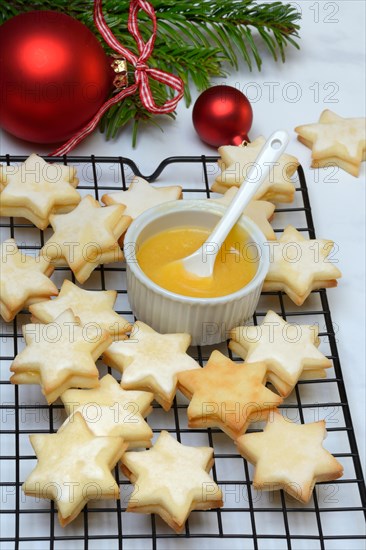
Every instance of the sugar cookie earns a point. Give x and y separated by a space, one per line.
24 280
90 306
74 466
235 164
171 480
86 237
335 141
111 410
151 361
227 395
36 189
298 265
141 196
289 456
286 349
60 355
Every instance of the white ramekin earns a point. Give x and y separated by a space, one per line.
207 320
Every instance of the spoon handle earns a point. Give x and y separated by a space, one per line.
269 154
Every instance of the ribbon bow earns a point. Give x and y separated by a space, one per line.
142 71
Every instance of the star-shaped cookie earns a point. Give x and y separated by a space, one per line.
36 189
59 356
335 140
171 480
86 237
235 164
258 211
289 456
227 395
24 280
111 410
141 195
151 361
298 265
92 307
74 466
286 349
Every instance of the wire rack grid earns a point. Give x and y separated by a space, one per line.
332 520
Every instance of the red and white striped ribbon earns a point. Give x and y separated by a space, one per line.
142 71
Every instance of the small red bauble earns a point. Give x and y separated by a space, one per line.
54 76
222 115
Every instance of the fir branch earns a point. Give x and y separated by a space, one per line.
196 40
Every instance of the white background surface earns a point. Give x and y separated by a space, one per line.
331 62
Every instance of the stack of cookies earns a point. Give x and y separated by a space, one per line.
335 141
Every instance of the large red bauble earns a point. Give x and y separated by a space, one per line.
222 115
54 76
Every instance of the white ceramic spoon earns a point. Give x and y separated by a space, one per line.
200 263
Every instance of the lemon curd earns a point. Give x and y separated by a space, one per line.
235 266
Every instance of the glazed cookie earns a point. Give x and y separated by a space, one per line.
86 237
59 356
298 265
171 480
36 189
335 141
236 161
111 410
141 195
74 466
286 349
90 306
289 456
151 361
24 280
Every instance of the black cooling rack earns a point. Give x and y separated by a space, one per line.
333 519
